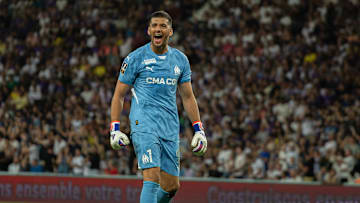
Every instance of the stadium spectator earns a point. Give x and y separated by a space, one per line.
78 163
15 166
36 166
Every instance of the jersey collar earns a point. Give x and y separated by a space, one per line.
162 56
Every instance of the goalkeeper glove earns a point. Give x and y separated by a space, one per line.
117 138
199 142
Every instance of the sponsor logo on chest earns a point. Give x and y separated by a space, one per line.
161 81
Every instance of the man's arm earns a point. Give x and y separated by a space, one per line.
117 101
199 142
117 138
189 101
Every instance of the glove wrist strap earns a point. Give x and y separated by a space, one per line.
197 125
115 126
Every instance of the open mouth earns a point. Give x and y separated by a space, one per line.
158 38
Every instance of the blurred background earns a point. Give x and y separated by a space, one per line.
277 83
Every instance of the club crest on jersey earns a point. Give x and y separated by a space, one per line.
177 70
123 68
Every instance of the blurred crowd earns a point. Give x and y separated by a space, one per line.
277 83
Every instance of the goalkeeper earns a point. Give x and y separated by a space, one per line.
153 72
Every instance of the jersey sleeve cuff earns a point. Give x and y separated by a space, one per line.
126 82
183 81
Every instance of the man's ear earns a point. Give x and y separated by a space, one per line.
148 31
171 32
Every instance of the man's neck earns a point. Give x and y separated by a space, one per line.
159 50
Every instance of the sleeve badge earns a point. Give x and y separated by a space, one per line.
123 68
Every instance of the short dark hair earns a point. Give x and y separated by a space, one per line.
161 14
